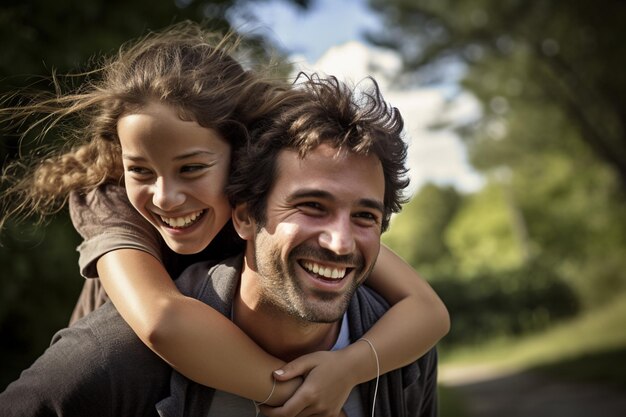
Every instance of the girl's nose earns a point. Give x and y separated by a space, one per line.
167 195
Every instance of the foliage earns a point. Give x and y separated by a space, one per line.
551 138
39 287
489 284
451 402
605 367
39 39
591 333
547 51
482 237
589 350
507 303
416 232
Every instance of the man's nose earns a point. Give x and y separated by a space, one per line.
338 236
167 194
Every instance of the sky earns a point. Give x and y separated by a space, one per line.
328 38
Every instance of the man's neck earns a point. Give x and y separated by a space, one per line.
279 333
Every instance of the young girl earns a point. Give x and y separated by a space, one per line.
183 159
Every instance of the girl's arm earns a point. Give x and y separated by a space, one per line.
416 321
192 337
124 250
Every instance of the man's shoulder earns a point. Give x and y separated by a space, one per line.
210 282
366 299
116 343
102 328
96 359
117 350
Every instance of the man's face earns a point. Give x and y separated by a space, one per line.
322 233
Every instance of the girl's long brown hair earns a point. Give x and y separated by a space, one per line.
185 66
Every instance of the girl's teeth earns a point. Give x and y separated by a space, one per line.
181 221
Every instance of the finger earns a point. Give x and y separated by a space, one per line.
293 369
301 404
298 367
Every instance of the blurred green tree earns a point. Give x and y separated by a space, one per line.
482 237
568 200
551 135
417 233
564 54
549 230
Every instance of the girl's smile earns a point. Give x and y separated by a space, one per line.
175 173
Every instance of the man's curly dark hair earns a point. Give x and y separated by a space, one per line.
323 110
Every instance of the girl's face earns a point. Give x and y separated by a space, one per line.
175 172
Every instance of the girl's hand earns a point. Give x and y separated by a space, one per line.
327 384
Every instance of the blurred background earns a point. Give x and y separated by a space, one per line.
516 121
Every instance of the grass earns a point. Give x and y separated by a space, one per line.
451 403
590 347
607 367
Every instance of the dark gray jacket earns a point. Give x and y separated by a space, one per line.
99 367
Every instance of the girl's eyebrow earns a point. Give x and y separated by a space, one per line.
131 157
137 158
194 154
315 193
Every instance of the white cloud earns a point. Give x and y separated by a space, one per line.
310 33
353 61
436 156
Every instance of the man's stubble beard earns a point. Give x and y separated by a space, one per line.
281 291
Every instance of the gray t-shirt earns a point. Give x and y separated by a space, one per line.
225 404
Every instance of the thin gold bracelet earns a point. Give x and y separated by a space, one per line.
377 372
256 404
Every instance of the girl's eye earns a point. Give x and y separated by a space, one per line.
139 171
193 168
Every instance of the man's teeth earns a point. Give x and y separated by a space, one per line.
181 221
326 272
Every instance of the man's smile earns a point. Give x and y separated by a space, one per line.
328 272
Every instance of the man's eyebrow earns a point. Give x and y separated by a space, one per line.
373 204
315 193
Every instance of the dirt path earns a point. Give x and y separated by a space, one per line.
489 393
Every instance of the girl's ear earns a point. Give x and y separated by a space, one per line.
243 223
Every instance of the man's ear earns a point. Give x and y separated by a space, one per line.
243 222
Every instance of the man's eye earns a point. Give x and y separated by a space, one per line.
367 216
311 206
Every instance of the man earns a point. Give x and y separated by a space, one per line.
311 198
